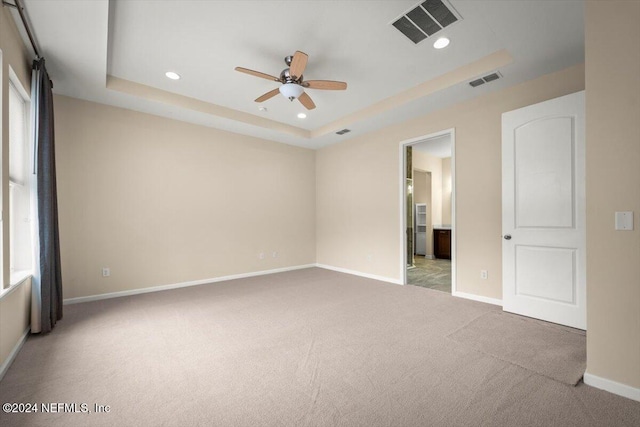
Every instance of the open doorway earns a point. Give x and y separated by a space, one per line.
429 211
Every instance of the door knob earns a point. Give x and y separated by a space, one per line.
507 237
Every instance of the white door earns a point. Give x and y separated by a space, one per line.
543 211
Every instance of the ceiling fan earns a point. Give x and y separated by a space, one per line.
292 81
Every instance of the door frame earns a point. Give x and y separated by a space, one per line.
403 197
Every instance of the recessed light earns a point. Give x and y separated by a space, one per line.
302 116
441 43
263 109
172 75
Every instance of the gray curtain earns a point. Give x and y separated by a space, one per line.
48 275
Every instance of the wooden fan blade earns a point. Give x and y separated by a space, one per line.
324 84
306 101
257 74
268 95
298 64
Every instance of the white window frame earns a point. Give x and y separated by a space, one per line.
17 276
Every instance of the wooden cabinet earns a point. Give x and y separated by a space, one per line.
442 243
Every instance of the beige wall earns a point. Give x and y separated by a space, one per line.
15 318
419 186
161 201
427 199
358 208
422 194
446 191
14 307
425 162
433 165
613 184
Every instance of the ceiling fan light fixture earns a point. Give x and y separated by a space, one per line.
441 43
291 90
293 86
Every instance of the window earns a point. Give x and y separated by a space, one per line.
20 243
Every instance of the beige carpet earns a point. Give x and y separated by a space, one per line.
304 348
551 350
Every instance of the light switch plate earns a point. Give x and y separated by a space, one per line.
624 220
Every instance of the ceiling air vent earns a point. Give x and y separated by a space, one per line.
491 77
426 19
486 79
343 131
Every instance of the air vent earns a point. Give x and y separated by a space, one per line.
491 77
343 131
407 28
426 19
486 79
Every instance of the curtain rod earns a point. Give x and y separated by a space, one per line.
25 23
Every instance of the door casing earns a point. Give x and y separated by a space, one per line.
402 201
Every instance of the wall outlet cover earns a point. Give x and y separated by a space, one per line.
624 221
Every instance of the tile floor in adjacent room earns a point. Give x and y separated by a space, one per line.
430 273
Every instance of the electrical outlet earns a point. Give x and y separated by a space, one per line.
274 254
261 255
106 272
369 257
484 274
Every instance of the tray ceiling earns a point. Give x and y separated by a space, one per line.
117 53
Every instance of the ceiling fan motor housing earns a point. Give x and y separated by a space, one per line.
285 77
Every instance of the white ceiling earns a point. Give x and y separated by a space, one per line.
352 41
440 146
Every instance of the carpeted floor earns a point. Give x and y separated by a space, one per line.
304 348
555 351
430 273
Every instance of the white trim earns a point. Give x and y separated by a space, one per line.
18 277
454 231
402 201
359 273
480 298
614 387
17 85
8 291
403 215
182 284
16 349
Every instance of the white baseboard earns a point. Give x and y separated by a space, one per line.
359 273
612 386
480 298
16 349
182 284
